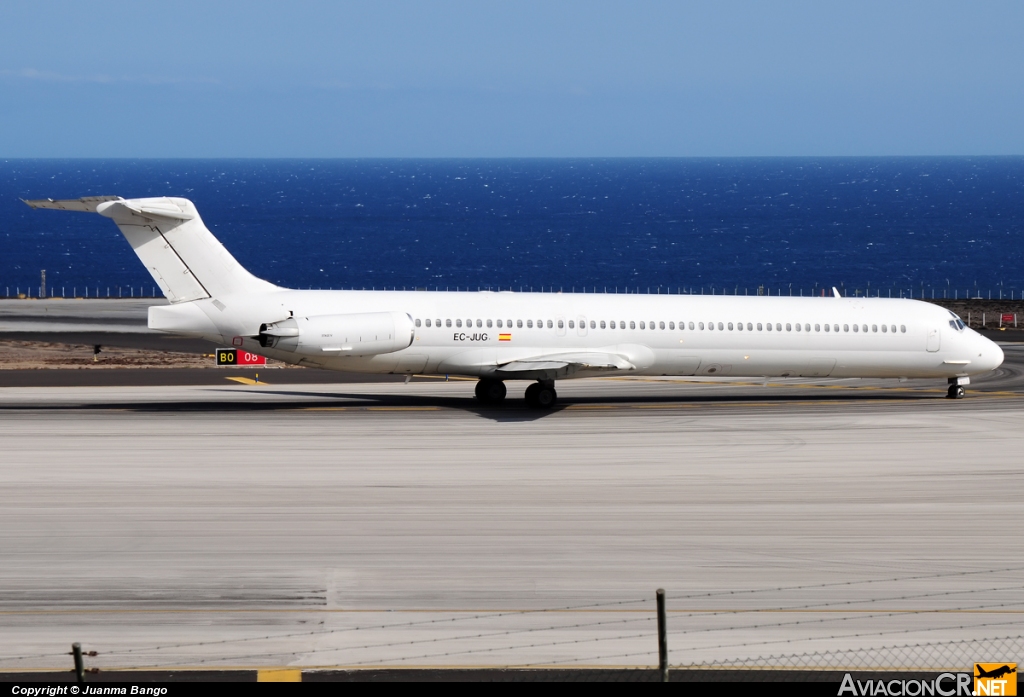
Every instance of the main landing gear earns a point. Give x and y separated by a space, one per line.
541 395
956 388
490 391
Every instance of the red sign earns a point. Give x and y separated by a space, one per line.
1007 317
232 356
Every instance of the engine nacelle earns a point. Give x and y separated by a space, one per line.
360 334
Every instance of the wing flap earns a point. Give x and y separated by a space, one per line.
589 360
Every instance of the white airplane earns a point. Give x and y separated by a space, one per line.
541 337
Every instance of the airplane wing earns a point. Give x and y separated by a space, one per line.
587 360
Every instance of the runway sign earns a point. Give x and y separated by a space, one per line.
233 356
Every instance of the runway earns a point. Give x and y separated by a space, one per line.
400 524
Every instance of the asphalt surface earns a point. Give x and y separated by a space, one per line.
359 525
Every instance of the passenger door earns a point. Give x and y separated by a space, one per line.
934 340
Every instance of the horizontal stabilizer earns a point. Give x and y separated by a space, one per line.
84 205
145 208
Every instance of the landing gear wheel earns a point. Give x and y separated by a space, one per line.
955 392
490 391
541 396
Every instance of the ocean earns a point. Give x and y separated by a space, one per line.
878 226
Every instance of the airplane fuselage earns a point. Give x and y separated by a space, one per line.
475 333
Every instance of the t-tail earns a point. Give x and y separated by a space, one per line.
182 255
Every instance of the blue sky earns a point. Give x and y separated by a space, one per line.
510 79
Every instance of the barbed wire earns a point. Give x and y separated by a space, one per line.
616 603
534 645
858 635
35 655
460 617
876 657
396 625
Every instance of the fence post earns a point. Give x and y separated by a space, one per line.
662 636
76 651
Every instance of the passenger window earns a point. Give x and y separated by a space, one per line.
884 329
651 326
711 326
561 324
489 325
778 326
519 324
817 328
428 322
417 323
671 325
864 327
529 324
593 324
835 327
846 327
759 327
448 323
691 325
572 325
769 326
508 323
642 326
632 325
701 324
798 327
730 326
720 327
479 323
549 324
661 325
807 327
874 328
893 329
826 327
750 327
903 329
602 324
856 328
437 323
789 327
499 324
458 323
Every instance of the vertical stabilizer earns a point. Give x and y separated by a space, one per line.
167 234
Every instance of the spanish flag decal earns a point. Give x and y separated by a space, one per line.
504 337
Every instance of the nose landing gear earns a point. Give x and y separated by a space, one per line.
490 391
541 395
956 388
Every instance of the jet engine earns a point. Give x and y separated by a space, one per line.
359 334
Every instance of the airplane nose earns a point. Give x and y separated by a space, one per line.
991 355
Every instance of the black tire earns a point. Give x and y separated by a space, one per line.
490 391
545 397
955 392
